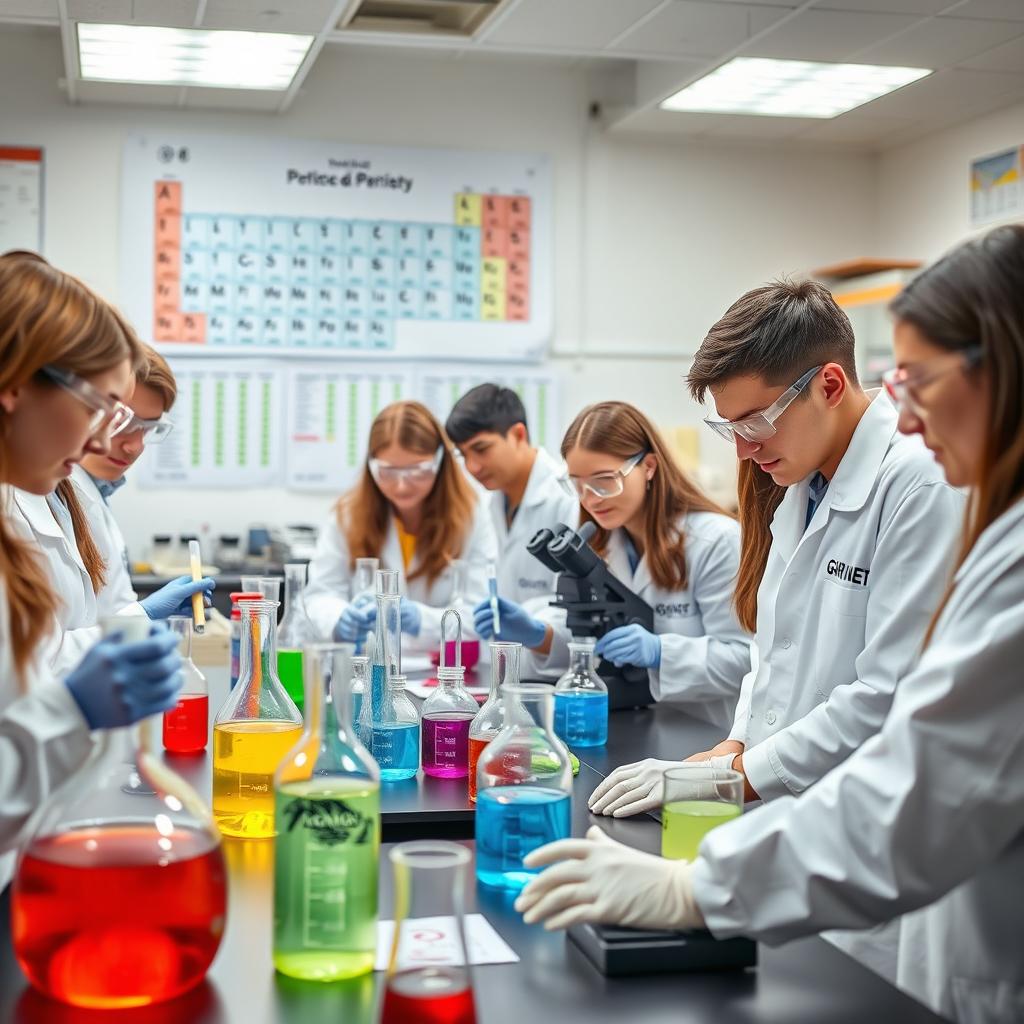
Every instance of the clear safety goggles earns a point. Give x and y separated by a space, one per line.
109 416
903 383
417 473
153 431
602 485
760 426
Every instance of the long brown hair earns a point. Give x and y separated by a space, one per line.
92 559
47 317
776 332
363 512
972 296
619 429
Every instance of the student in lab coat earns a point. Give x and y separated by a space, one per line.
672 546
926 818
488 425
415 511
65 362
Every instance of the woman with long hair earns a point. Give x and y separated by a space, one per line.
65 364
415 511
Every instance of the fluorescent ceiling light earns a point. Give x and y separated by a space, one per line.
188 56
789 88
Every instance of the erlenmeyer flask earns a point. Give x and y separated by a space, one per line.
448 712
187 724
327 818
490 719
295 633
120 895
430 882
524 786
256 726
581 699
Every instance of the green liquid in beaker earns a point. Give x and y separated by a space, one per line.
684 823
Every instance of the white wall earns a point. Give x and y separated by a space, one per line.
652 240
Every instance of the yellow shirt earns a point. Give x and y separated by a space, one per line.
407 542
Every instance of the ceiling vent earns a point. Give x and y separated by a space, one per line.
421 17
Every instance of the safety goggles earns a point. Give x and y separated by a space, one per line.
902 383
760 426
417 473
602 485
153 431
109 416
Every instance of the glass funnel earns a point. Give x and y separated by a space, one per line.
256 726
327 819
187 724
491 717
120 894
581 699
430 885
524 787
295 633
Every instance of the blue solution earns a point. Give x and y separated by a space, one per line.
236 654
581 718
512 821
357 706
396 748
378 685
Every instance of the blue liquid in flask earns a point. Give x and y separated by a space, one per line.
512 821
581 719
396 749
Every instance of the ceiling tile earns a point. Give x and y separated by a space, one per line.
1008 57
828 35
950 95
169 13
111 11
698 29
37 10
859 130
937 43
305 17
583 25
886 6
1010 10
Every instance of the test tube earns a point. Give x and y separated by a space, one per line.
198 611
492 586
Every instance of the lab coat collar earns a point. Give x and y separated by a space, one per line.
107 487
543 476
1010 522
40 517
618 562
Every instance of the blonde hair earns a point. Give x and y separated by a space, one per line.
156 373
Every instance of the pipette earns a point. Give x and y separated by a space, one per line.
492 586
198 611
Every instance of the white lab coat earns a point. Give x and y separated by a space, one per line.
704 650
327 594
926 819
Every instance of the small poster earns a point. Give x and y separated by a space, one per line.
997 187
21 198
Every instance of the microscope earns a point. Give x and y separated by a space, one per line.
595 601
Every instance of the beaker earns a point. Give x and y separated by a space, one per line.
448 711
187 724
430 883
490 719
327 818
524 787
696 798
256 726
295 632
119 896
581 699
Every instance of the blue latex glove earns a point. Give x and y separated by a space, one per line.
517 625
175 598
412 617
354 623
630 645
117 684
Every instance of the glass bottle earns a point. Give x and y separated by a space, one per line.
256 726
490 719
119 897
187 724
524 786
360 683
394 734
581 699
363 593
448 712
327 818
430 882
295 633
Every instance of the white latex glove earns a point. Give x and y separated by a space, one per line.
631 789
599 880
721 760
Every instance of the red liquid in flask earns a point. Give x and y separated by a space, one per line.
186 725
476 748
118 916
430 995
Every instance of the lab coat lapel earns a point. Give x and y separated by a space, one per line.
35 509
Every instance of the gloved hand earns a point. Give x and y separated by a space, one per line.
631 789
630 645
721 760
517 625
602 881
175 598
354 623
117 684
412 617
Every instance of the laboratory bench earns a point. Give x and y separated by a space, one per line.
804 982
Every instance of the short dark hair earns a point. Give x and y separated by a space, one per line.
487 407
775 332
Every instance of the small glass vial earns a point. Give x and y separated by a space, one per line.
187 724
581 699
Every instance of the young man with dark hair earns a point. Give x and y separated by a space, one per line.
488 426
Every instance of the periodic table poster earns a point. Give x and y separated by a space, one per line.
236 246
